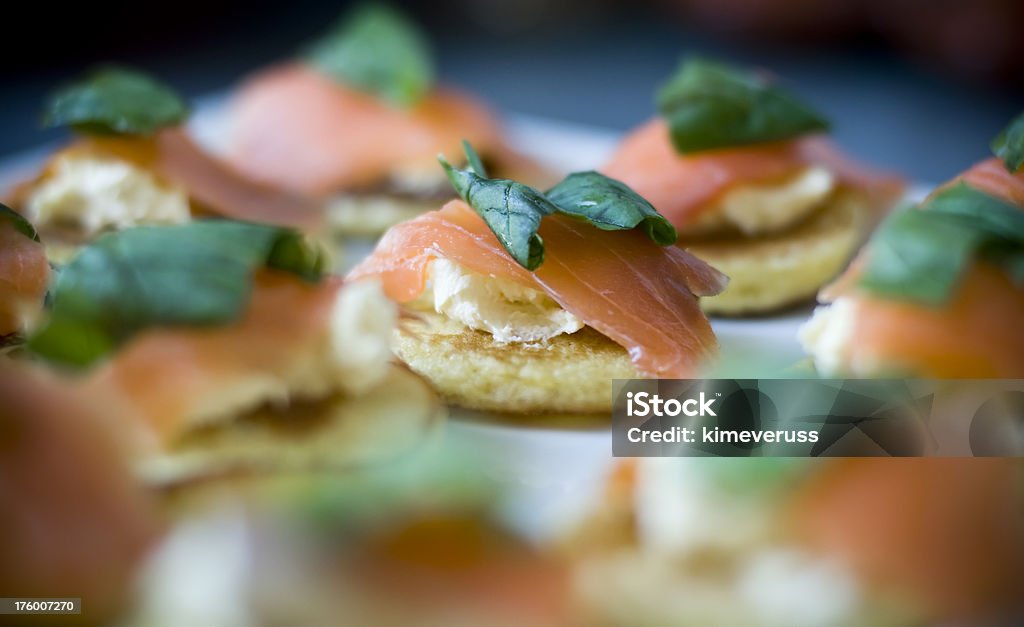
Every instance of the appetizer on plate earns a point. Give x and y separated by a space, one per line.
357 123
132 163
740 168
805 542
939 289
416 542
224 348
24 276
75 522
533 302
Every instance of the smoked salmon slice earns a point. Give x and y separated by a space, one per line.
203 371
974 335
74 516
297 128
682 187
992 177
944 532
24 276
640 295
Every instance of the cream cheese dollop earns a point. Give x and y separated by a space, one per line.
679 509
507 310
787 586
827 337
758 209
362 322
92 195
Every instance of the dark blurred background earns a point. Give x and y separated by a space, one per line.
917 85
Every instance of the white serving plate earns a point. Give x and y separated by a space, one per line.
551 473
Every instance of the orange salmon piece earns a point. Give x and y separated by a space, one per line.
167 374
299 129
24 277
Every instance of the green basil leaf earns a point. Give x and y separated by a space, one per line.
196 274
610 205
1009 145
293 253
116 100
473 160
21 225
917 257
513 211
920 254
997 218
710 105
377 49
510 209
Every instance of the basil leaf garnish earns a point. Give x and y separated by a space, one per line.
116 100
610 205
473 160
1009 145
917 257
21 225
513 211
196 274
377 49
510 209
710 105
995 217
920 254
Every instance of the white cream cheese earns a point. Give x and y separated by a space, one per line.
505 309
361 326
768 208
678 509
784 586
828 337
94 195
